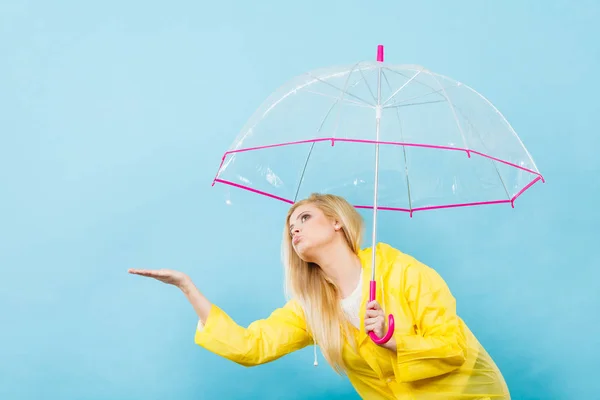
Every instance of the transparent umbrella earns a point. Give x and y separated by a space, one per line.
385 137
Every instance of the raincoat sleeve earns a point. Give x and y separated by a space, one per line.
439 344
263 341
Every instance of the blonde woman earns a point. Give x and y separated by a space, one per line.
432 354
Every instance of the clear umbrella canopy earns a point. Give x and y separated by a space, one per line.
439 143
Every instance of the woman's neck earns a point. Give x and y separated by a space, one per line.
342 266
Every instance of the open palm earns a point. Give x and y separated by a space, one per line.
169 276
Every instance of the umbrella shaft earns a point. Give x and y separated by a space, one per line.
374 233
376 181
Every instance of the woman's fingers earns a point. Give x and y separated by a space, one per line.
144 272
373 305
375 320
376 327
160 275
373 313
164 275
149 272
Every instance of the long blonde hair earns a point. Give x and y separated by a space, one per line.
307 283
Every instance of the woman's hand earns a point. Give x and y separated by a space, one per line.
375 321
171 277
200 303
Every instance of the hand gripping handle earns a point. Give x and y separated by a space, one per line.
390 330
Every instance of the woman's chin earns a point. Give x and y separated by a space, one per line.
303 251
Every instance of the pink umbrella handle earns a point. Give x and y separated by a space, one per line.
390 330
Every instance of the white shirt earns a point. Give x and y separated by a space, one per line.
351 304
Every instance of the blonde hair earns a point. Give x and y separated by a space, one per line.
307 283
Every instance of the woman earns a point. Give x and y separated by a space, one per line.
432 354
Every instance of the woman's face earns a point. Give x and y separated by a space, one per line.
310 230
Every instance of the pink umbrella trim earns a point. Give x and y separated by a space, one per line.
333 140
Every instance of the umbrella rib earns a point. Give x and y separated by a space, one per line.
494 163
303 171
399 105
341 98
454 114
403 147
507 124
417 81
312 147
501 180
403 102
343 91
367 83
400 88
345 100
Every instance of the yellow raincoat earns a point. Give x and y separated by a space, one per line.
437 356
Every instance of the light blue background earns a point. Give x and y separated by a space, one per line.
114 117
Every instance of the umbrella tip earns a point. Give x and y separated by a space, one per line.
380 53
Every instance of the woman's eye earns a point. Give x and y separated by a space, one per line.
304 217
